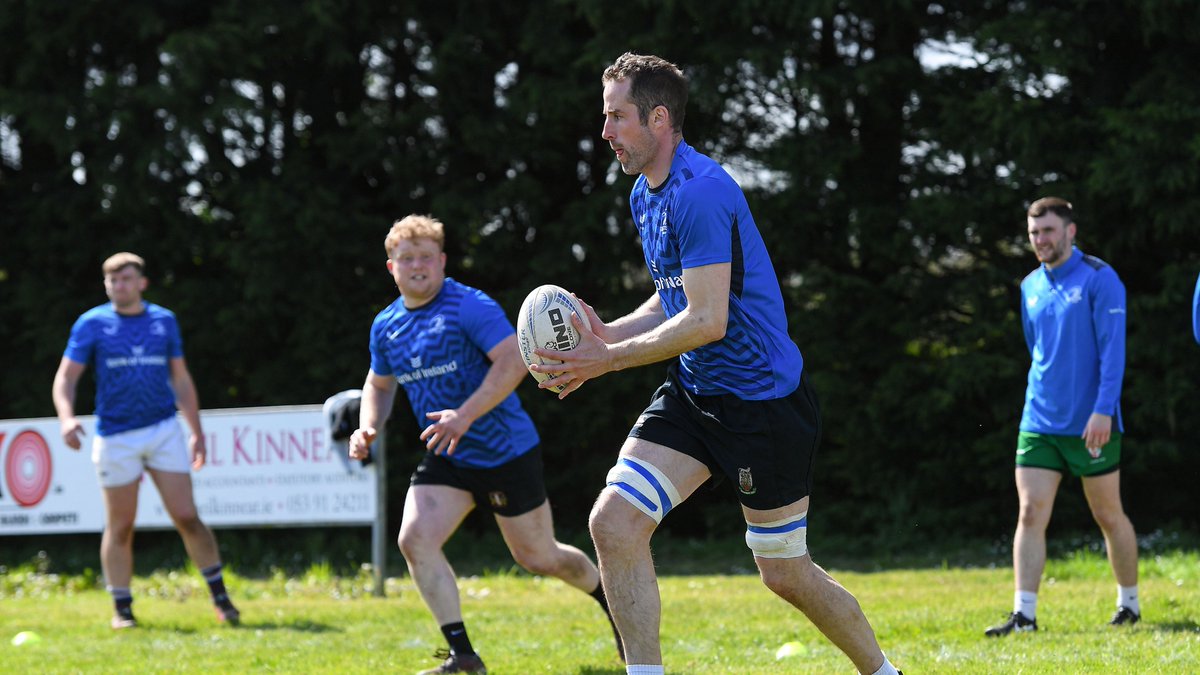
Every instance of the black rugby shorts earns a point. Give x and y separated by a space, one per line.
765 448
511 489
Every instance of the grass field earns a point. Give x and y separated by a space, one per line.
929 620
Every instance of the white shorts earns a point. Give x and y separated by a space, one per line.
120 458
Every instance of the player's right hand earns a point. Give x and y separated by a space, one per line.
594 321
360 442
72 433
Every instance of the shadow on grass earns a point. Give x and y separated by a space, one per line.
1176 627
299 626
593 670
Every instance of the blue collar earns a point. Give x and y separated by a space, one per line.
1066 268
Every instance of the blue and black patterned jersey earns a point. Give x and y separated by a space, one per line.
699 216
438 353
132 358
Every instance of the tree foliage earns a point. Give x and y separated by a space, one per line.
256 154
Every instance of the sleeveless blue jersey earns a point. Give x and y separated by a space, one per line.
699 216
132 358
1074 322
438 353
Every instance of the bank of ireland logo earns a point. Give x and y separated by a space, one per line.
27 468
415 362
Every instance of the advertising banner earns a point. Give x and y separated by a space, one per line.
266 466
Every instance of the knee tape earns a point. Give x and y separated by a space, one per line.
644 486
787 538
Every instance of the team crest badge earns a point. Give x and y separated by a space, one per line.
746 481
498 500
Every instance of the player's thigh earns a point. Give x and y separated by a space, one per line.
685 472
120 505
1036 488
175 488
1103 493
433 512
531 532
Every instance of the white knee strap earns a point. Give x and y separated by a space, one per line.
787 538
644 486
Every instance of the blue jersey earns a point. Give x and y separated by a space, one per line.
1074 321
132 357
697 217
438 353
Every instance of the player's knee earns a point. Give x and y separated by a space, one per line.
1034 514
539 563
409 541
119 532
187 520
1108 519
784 538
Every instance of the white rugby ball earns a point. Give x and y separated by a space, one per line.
545 321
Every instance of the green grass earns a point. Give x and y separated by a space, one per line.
929 620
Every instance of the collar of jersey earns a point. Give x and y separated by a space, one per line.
1066 268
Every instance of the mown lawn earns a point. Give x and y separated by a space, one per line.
929 621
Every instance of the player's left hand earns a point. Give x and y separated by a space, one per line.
1097 433
587 360
198 450
443 435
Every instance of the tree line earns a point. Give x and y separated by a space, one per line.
256 154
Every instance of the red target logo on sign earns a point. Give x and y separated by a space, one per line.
27 469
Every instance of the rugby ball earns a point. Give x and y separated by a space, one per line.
545 321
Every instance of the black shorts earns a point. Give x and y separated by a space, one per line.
766 448
510 489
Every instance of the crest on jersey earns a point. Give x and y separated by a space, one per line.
139 350
746 481
438 325
498 499
156 328
1074 294
415 361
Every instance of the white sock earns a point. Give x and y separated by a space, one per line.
1127 597
1025 602
643 670
887 668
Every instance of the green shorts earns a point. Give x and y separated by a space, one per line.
1059 453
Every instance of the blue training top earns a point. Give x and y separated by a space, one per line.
1196 311
1074 321
699 216
438 353
132 355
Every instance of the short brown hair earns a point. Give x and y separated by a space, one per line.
119 261
652 82
1056 205
415 226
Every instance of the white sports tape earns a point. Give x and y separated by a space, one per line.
644 486
787 538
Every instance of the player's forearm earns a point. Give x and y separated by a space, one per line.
502 378
63 394
642 320
188 402
683 332
375 406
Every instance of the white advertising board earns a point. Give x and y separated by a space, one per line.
266 466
